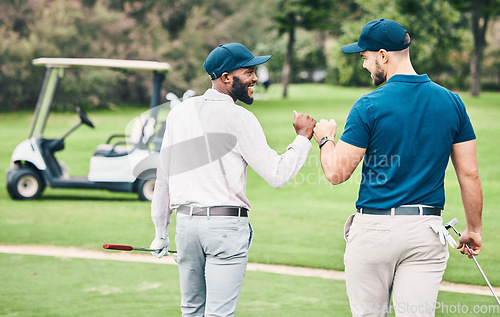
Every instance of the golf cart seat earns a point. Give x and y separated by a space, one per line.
113 150
141 133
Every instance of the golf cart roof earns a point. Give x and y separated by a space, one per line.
101 62
55 68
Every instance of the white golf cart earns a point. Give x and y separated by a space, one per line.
125 166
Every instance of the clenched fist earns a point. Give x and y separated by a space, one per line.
325 128
303 124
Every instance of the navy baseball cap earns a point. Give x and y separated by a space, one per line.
379 34
228 57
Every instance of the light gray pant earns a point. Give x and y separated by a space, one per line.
393 254
212 256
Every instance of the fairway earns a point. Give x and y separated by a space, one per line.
76 287
300 224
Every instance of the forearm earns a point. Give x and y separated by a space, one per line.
340 160
160 209
472 199
464 160
279 170
329 164
276 170
161 222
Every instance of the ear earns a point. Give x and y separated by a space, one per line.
226 78
383 56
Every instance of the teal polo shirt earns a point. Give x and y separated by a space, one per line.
407 127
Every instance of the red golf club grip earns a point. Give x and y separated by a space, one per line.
117 247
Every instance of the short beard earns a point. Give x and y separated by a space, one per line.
379 75
240 91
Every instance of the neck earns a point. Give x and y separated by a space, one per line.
401 67
222 88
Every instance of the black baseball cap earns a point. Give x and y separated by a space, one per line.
379 34
228 57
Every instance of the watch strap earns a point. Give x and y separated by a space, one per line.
323 141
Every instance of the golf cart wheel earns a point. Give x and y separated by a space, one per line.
25 183
145 187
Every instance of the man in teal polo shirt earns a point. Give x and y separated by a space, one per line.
406 131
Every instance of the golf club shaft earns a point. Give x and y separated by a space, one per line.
484 276
147 249
478 266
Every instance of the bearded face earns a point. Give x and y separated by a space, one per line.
371 64
378 76
242 91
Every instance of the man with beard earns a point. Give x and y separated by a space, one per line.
406 131
208 143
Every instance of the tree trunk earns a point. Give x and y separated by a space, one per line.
479 26
287 68
322 41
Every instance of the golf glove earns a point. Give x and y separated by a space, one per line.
444 235
161 244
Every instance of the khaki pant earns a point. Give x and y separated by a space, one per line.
393 254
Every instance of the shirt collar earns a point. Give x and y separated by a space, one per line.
409 78
214 95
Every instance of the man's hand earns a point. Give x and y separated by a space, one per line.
473 240
161 244
325 128
303 124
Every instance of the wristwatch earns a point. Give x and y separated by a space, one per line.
323 141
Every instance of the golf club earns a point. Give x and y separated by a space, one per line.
451 224
123 247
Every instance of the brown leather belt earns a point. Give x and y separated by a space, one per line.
213 211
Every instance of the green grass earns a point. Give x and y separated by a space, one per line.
66 287
299 224
51 286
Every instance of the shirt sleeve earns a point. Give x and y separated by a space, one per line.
275 169
357 130
160 205
465 130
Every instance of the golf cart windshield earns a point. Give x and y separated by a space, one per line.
55 71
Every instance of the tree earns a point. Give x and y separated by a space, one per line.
180 32
62 28
293 14
480 13
436 31
194 28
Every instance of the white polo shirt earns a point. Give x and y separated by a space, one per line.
208 143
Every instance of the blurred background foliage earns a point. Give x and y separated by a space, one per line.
183 32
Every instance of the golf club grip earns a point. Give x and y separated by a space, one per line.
117 247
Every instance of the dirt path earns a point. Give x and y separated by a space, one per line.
71 252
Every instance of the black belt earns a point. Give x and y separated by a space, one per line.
213 211
426 211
